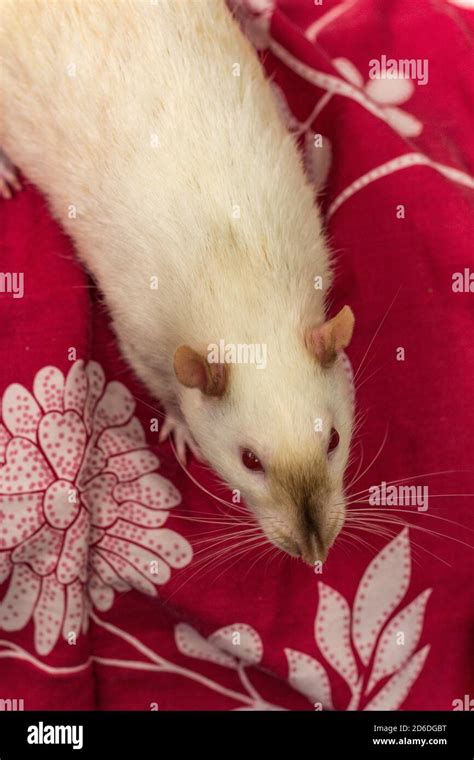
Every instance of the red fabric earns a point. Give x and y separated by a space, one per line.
305 638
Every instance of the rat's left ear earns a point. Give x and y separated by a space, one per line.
325 341
194 371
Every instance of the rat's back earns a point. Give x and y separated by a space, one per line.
89 86
137 108
154 134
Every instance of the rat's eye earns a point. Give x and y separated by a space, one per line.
251 461
333 441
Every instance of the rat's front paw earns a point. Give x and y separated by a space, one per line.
182 438
9 182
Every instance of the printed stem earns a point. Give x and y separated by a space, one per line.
303 126
169 667
313 30
244 679
177 670
17 653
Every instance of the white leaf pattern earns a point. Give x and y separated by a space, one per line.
192 644
307 675
332 632
390 655
390 91
239 640
381 589
348 71
393 694
404 123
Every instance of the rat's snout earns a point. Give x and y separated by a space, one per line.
308 534
311 549
311 544
310 512
313 537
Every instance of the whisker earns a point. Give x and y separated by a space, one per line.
414 477
227 555
424 515
354 480
412 542
210 559
356 375
360 541
153 408
224 546
369 377
428 531
391 536
360 461
239 557
225 537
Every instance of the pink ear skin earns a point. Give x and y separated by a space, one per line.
194 371
325 341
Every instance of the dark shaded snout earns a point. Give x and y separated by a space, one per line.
304 486
313 538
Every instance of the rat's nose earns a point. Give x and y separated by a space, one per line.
313 534
312 549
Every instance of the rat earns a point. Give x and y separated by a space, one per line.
157 141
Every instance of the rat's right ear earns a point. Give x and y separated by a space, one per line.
327 340
194 371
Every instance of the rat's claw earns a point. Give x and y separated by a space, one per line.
9 181
182 438
168 426
194 448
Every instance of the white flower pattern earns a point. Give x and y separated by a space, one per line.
81 506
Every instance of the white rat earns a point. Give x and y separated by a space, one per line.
154 135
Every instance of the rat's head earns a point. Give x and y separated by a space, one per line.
279 433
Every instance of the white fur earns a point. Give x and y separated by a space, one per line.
166 69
